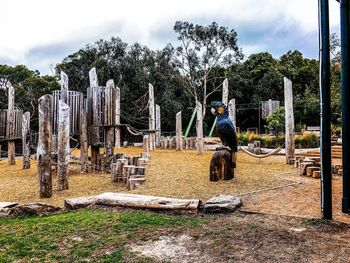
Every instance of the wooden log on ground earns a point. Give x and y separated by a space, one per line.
148 202
135 177
44 147
316 174
63 154
25 139
117 170
127 170
221 166
303 167
289 117
310 170
142 161
84 146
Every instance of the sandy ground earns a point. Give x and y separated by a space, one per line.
186 175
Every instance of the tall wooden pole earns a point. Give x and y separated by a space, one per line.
109 131
84 146
44 147
178 131
158 125
232 111
117 119
10 128
25 139
289 120
63 153
95 149
199 128
152 122
225 91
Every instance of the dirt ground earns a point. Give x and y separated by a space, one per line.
186 175
169 173
244 237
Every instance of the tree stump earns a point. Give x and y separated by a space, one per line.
221 166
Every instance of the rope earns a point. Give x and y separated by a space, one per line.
135 133
261 155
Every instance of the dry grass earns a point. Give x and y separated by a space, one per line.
169 173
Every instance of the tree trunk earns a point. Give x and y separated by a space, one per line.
10 128
232 111
152 123
63 153
199 129
44 147
289 116
158 125
178 131
25 139
84 146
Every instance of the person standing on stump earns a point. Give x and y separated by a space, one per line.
226 129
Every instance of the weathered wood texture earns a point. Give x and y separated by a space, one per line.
158 125
64 87
44 147
199 128
25 140
10 128
117 170
148 202
289 116
75 101
225 91
232 111
178 131
84 146
151 120
146 143
117 118
221 166
63 153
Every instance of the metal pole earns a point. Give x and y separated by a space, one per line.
345 86
326 172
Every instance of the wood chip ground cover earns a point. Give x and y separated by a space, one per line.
169 173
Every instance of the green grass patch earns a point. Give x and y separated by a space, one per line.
87 234
316 222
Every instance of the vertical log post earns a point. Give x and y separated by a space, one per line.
289 115
84 158
199 128
95 149
117 119
25 139
10 128
178 131
158 125
232 111
151 121
146 143
109 131
44 147
63 153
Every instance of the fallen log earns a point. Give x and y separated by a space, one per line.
148 202
79 202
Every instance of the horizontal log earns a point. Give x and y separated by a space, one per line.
148 202
80 202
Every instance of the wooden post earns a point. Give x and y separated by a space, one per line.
225 92
158 125
151 122
10 128
44 147
84 158
199 128
232 111
178 131
289 115
109 131
64 87
146 143
63 151
117 119
25 139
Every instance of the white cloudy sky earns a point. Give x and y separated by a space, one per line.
40 33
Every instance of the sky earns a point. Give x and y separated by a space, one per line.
40 33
